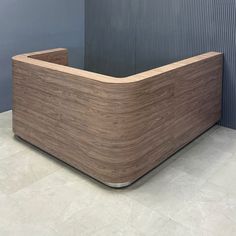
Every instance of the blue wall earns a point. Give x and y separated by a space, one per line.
27 25
129 36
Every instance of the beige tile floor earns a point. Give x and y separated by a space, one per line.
192 193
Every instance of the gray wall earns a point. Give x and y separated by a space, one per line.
27 25
110 36
128 36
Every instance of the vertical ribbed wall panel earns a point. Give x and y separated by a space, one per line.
143 34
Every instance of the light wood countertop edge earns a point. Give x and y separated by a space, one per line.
105 78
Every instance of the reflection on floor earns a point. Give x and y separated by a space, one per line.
192 193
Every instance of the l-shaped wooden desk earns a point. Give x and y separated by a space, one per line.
114 129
